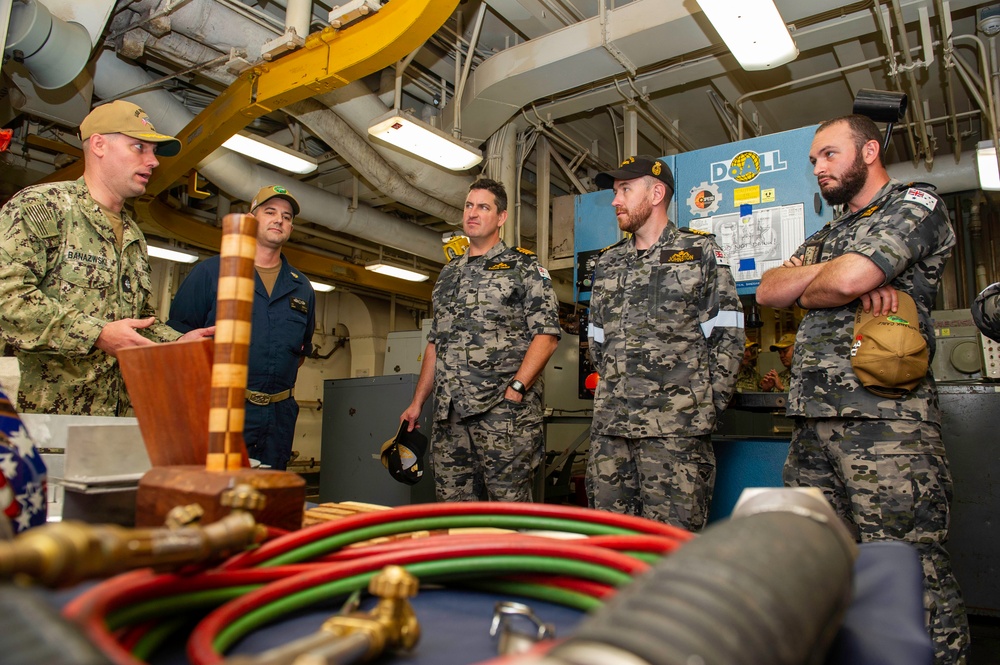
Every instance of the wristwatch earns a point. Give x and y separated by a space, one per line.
517 386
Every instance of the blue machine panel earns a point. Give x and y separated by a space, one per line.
758 196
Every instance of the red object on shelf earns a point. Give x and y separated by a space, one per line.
5 136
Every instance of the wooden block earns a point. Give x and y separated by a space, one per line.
169 386
163 488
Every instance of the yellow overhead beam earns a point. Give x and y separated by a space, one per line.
328 60
186 229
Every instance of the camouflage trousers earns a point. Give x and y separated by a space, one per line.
496 452
669 479
889 480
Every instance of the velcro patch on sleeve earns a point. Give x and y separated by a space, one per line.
921 197
40 220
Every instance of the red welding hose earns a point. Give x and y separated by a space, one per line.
201 643
297 539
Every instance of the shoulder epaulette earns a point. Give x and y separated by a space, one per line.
921 185
601 251
527 252
688 229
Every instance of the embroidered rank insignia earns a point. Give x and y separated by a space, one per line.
682 256
869 212
524 251
299 305
920 197
688 229
499 266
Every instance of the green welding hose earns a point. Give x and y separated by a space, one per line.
514 522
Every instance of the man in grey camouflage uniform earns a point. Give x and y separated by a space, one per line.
666 337
74 274
880 461
496 323
986 311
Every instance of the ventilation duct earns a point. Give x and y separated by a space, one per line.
52 50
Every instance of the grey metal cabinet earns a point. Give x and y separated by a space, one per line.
359 415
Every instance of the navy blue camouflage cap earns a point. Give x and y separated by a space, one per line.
403 455
637 167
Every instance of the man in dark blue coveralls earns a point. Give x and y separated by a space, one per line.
284 315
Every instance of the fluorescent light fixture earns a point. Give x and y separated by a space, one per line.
271 153
986 161
384 267
171 254
417 137
753 31
321 287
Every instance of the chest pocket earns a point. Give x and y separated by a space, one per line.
500 300
674 288
74 275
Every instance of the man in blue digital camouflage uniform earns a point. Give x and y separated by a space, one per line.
879 460
496 323
74 273
284 316
666 337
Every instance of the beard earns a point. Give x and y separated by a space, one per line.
635 219
851 182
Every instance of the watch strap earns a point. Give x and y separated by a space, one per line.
517 386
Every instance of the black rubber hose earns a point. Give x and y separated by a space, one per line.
769 588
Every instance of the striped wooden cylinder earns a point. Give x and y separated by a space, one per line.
227 401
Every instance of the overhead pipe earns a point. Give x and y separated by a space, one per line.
357 105
686 144
741 114
460 82
667 131
948 52
242 178
882 19
947 175
340 136
916 103
216 25
360 154
990 109
298 17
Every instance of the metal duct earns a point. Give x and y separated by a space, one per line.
947 175
52 50
242 179
640 34
333 130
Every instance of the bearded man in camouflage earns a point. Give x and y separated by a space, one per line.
880 461
74 273
496 324
666 337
